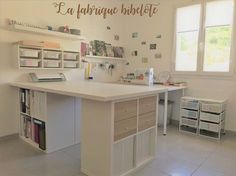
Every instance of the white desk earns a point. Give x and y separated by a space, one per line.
101 153
170 89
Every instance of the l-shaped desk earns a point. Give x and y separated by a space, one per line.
118 122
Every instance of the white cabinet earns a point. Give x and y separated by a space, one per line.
48 121
29 57
125 132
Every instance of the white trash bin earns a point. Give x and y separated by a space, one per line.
161 112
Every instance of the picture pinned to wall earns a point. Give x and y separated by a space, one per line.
116 37
159 36
158 56
135 35
134 53
144 60
153 46
108 28
143 43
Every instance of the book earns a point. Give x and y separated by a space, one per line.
42 137
118 51
109 50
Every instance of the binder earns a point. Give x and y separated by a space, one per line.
42 138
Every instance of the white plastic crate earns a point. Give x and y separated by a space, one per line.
51 54
188 104
33 53
212 107
212 117
189 122
189 113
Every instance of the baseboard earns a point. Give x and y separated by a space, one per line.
12 136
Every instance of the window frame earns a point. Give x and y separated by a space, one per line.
201 43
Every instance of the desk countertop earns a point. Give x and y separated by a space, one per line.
93 90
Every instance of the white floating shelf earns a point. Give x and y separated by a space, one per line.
45 32
104 58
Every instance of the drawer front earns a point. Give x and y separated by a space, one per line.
189 122
125 110
190 104
209 126
147 121
51 54
189 113
212 107
125 128
211 117
34 53
147 105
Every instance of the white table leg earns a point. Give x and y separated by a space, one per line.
165 113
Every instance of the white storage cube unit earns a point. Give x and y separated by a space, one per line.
123 155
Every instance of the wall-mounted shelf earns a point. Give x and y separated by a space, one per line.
104 58
26 29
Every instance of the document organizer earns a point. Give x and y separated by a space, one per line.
58 77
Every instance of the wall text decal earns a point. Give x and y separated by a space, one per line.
131 10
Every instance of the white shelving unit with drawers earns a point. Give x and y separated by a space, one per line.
29 57
204 117
189 115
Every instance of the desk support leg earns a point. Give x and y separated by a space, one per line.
165 113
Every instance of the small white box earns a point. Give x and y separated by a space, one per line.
29 63
70 64
190 104
212 117
34 53
212 107
209 126
51 64
51 54
189 113
70 56
189 122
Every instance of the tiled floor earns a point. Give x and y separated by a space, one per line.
178 154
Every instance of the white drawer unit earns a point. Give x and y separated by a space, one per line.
189 113
207 116
215 118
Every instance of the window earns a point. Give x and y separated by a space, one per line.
204 37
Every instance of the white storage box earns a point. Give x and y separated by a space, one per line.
189 122
190 104
51 54
189 113
33 53
212 107
209 126
52 64
29 63
70 64
70 56
212 117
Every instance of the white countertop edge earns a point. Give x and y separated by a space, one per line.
87 96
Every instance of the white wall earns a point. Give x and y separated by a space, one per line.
40 12
163 23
